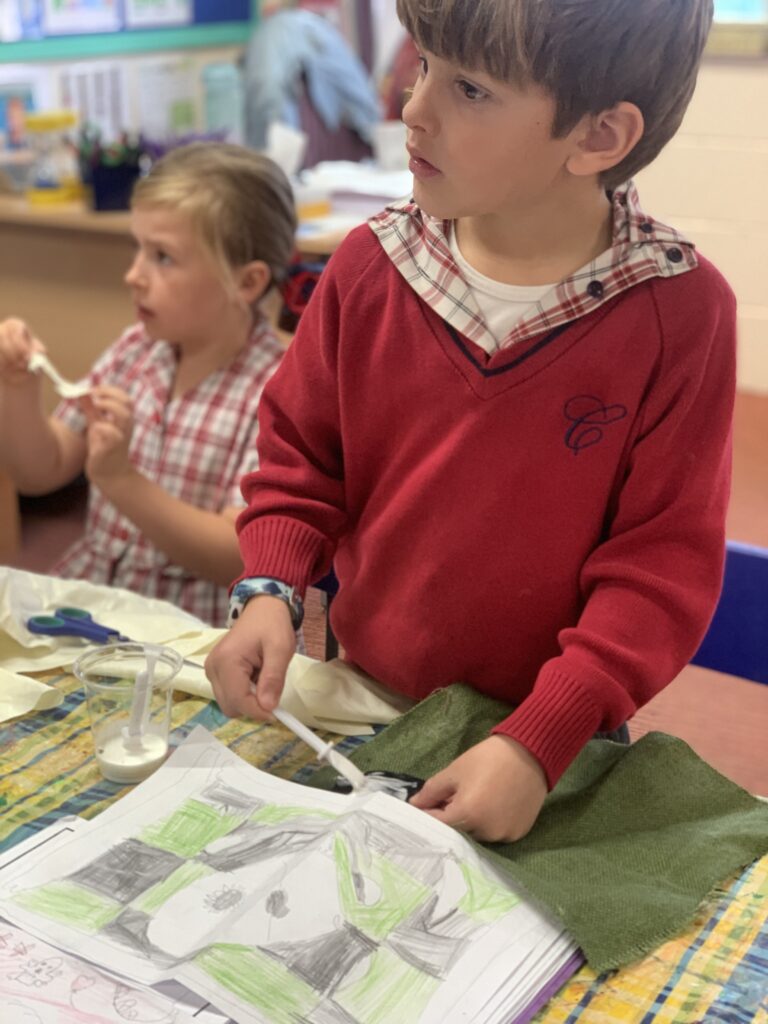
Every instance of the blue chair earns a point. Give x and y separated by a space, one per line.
737 640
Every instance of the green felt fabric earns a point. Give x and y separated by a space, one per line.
628 844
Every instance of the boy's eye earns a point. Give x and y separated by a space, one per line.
162 257
471 92
424 65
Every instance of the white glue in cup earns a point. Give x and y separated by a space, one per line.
128 689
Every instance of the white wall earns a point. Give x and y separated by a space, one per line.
387 34
711 182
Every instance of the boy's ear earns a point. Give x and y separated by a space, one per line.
605 139
253 280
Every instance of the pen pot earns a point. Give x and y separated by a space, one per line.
112 185
128 690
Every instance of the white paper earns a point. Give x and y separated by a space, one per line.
97 90
286 145
360 178
40 984
168 96
61 17
147 13
10 22
277 902
36 76
22 87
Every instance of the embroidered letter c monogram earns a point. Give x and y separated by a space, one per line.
589 416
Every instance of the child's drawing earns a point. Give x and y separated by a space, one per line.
37 973
280 904
24 1014
94 994
363 925
227 898
39 985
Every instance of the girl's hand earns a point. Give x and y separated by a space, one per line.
493 791
17 343
109 412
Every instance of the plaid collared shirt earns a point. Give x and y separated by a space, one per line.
196 446
642 248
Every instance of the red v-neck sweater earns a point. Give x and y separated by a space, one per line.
546 525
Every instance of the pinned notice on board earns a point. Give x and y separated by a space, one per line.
61 17
152 13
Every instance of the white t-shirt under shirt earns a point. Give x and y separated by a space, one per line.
502 305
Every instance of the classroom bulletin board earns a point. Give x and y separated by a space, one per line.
66 29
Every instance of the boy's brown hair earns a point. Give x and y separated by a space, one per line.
587 54
239 201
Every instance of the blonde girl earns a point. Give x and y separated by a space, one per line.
169 425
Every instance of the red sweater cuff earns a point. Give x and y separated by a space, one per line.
283 548
554 721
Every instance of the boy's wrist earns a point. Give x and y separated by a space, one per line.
256 586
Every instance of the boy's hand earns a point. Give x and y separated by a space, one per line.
109 413
493 791
247 667
17 343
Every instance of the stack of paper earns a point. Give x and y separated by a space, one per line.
343 177
355 191
41 985
279 904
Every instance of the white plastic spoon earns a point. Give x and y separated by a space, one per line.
140 707
325 751
65 388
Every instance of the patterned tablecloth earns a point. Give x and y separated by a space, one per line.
717 971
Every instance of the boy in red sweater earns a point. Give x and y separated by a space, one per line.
505 418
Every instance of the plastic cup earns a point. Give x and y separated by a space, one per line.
130 721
